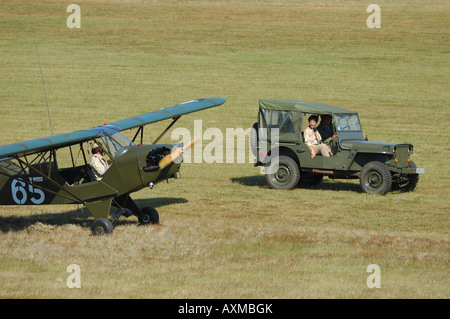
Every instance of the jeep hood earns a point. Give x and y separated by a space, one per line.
372 147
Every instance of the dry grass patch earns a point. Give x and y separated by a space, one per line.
223 233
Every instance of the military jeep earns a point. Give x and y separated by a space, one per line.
380 167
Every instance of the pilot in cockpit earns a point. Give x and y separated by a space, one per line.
98 163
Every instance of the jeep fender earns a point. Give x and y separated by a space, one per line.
358 160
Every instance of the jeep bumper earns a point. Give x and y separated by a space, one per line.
407 170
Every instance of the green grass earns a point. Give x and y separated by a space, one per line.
223 233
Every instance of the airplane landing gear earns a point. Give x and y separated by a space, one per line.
150 216
127 207
102 226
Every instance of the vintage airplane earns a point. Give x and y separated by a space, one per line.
30 175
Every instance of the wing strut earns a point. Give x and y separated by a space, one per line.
31 168
168 128
140 130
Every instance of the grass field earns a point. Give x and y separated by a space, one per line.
222 232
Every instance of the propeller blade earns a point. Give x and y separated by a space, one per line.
170 158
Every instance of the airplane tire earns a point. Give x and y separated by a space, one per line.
151 216
101 227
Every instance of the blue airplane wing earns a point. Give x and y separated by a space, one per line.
62 140
46 143
166 113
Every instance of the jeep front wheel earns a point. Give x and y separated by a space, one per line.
286 176
406 183
375 178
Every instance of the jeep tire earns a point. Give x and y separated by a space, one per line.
254 139
407 183
287 175
375 178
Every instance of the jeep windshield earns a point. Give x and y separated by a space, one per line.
348 127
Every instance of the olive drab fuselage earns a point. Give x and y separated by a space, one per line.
43 183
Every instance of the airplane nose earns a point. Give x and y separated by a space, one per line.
176 155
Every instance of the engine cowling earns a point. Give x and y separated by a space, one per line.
154 157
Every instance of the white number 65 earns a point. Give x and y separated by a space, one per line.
19 192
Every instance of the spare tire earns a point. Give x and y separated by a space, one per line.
254 139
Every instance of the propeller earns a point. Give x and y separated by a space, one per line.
177 153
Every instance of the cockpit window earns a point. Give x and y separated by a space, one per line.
114 142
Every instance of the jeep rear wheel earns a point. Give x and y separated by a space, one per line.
375 178
286 176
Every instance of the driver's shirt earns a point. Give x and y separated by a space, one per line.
99 166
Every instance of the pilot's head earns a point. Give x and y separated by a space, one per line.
96 149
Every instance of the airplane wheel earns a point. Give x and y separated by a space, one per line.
151 216
102 226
